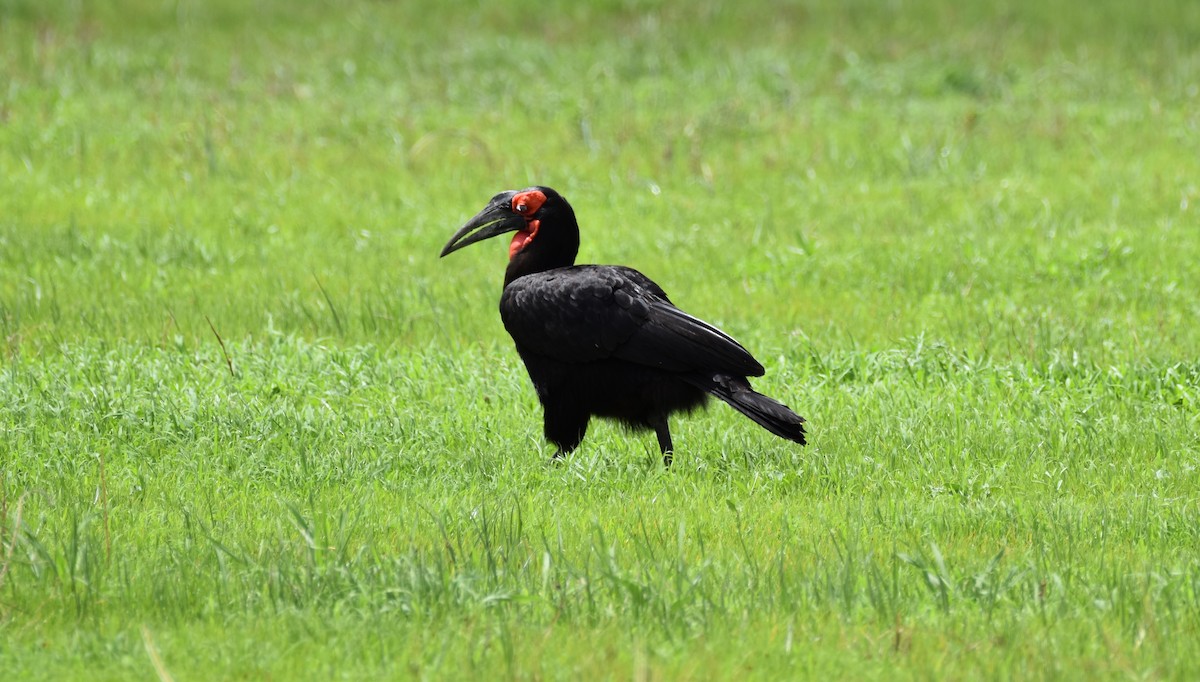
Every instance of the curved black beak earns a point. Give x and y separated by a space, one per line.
497 218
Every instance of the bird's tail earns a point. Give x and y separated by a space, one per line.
767 412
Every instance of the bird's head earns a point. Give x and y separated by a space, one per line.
547 235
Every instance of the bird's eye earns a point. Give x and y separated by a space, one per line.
528 203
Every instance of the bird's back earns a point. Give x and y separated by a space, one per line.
589 313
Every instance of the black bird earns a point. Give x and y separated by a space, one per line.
604 340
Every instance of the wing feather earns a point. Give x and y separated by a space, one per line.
589 313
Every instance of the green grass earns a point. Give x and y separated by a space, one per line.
963 240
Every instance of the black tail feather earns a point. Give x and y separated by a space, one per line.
765 411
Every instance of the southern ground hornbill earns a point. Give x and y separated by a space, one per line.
603 340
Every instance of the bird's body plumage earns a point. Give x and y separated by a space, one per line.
606 341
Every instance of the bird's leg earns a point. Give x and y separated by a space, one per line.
563 449
664 441
565 430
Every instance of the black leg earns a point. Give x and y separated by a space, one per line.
565 430
664 441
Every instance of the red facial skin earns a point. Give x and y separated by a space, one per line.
526 204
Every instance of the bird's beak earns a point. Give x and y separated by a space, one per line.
496 219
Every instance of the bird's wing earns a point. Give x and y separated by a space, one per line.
590 313
674 340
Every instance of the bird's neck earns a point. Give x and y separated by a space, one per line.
551 248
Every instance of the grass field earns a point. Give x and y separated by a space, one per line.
251 427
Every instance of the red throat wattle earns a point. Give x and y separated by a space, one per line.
522 238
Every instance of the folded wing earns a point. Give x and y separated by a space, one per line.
590 313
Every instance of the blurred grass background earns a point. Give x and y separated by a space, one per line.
1014 179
